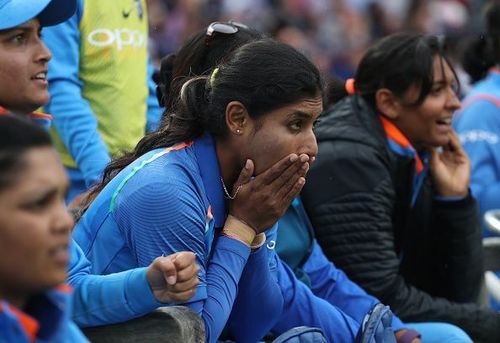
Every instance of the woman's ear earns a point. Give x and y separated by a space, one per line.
387 103
237 119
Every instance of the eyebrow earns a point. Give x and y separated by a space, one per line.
300 115
22 27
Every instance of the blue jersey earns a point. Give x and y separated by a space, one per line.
97 299
325 280
172 200
46 320
478 126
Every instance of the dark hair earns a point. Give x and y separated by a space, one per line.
17 136
263 75
198 57
482 52
398 62
335 90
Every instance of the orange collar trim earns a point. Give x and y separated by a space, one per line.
29 324
41 115
65 288
392 132
3 110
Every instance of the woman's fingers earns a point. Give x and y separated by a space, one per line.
291 180
270 175
294 191
245 175
187 272
183 286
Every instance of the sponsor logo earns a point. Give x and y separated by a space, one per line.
478 136
121 37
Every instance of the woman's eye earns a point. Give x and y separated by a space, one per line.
296 125
437 90
19 39
38 204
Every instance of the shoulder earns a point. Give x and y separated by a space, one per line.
161 181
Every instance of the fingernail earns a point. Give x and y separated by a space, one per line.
171 280
294 158
304 158
247 164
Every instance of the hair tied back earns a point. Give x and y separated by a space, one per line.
349 86
212 77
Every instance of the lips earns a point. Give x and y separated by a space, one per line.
60 254
41 76
444 121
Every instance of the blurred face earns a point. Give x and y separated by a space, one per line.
23 68
34 227
284 131
429 124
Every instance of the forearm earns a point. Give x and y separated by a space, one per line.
223 275
107 299
259 302
458 234
302 307
333 285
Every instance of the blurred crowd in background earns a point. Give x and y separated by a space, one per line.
333 33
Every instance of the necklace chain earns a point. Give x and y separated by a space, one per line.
226 193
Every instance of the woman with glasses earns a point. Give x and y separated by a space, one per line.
389 195
231 154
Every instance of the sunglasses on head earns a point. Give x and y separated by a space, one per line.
227 28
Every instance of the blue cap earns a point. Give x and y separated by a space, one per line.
48 12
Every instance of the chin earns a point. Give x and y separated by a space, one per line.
54 279
442 142
40 101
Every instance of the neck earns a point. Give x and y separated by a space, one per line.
228 162
14 298
16 112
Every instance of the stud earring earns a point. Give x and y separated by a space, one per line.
238 131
